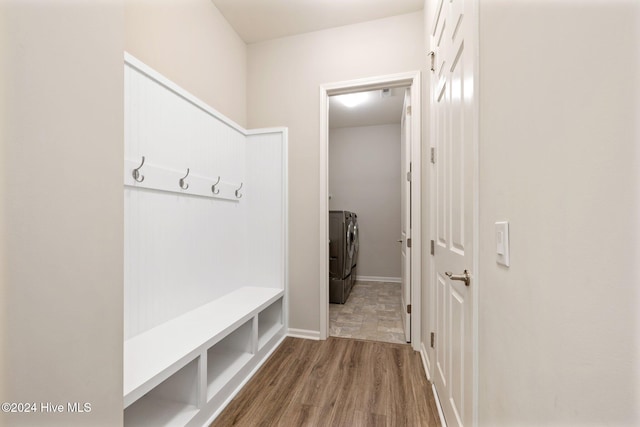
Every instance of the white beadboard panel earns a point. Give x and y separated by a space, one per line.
186 248
170 131
180 252
266 210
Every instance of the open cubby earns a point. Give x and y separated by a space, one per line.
270 322
172 402
227 357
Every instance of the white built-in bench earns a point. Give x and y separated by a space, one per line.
205 212
184 371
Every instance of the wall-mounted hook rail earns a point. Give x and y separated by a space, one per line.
164 178
182 182
136 172
215 190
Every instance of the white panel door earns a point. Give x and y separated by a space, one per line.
452 102
405 191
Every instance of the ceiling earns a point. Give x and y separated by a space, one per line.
376 109
260 20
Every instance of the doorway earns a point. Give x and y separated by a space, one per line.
366 227
410 247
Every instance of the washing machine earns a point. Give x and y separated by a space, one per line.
355 241
341 250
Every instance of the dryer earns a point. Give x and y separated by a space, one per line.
355 241
341 251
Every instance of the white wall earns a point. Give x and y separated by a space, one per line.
61 228
364 177
4 283
61 204
559 159
283 86
190 43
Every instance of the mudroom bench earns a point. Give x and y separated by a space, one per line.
205 252
183 371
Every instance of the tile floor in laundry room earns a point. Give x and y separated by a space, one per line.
373 311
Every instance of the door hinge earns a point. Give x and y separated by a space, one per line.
433 340
409 110
433 247
408 308
433 155
409 176
432 54
409 242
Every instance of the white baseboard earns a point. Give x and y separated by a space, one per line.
425 364
443 423
425 361
304 333
379 279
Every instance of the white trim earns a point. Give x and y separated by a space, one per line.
323 222
285 220
262 131
140 66
475 30
431 284
443 422
379 279
411 79
425 361
304 333
416 212
425 365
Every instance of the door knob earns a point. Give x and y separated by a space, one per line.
464 277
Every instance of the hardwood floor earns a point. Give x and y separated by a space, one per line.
337 382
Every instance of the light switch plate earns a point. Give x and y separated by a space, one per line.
502 243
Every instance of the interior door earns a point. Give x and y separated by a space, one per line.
405 190
452 102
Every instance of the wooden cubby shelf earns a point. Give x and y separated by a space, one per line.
171 403
162 367
228 357
270 322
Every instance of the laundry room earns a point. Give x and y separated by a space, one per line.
365 207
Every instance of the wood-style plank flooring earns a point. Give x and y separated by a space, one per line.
337 382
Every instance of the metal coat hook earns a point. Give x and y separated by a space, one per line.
136 172
215 190
182 183
238 195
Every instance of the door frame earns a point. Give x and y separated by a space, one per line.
412 80
405 144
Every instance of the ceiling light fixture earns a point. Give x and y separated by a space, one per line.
351 100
